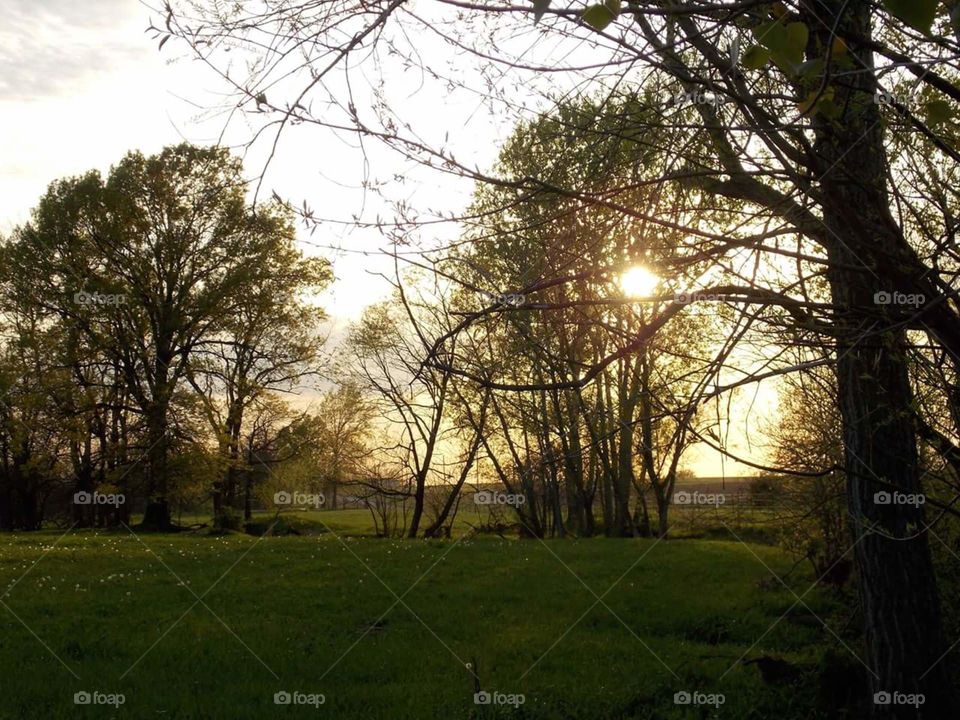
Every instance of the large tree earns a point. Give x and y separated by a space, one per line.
150 263
794 123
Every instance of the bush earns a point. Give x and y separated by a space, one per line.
227 519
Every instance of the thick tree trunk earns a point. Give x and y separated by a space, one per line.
903 631
897 585
623 482
156 516
234 426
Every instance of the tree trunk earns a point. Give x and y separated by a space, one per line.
663 515
903 631
156 516
234 426
641 515
418 498
434 528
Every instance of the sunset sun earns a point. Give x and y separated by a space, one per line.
638 281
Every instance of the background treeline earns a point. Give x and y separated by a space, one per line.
150 318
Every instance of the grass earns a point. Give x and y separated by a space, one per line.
321 612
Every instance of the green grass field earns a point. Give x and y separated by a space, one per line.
320 614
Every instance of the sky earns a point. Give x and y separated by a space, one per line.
83 82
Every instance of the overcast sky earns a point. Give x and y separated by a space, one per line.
82 83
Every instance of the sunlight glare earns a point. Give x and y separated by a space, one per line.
638 281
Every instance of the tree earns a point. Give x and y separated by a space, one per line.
345 417
784 125
412 399
32 449
643 404
806 439
269 342
150 264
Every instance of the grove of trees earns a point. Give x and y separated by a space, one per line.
778 178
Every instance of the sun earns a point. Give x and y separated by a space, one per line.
638 282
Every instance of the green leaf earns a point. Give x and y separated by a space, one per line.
797 36
918 14
806 104
540 8
599 16
821 103
786 43
755 57
828 108
770 34
938 112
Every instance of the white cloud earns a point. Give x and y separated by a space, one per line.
51 47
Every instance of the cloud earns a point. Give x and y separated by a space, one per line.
50 47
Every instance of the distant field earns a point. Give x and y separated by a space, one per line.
316 611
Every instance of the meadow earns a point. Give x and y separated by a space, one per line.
203 626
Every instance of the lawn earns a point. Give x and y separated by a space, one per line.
386 628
